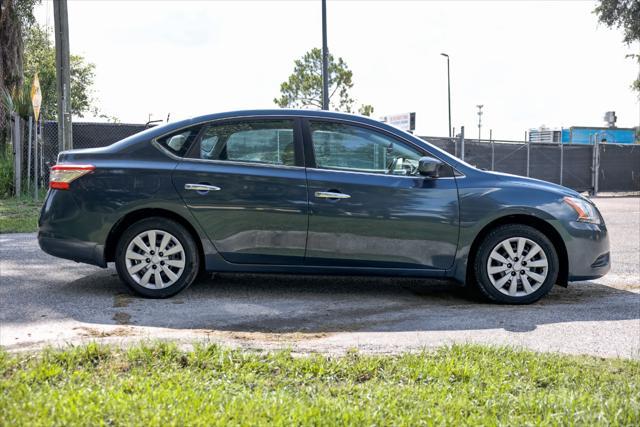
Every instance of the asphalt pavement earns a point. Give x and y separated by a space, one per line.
48 301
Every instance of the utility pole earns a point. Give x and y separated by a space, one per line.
479 121
63 78
325 59
448 90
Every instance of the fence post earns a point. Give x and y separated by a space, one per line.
41 146
29 154
455 146
41 142
528 152
561 161
462 142
35 163
493 153
17 154
596 166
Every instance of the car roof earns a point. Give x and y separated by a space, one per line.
275 112
279 112
287 112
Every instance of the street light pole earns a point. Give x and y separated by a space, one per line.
479 121
448 90
63 78
325 59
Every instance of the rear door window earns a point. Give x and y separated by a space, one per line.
255 141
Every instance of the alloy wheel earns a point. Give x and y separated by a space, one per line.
517 266
155 259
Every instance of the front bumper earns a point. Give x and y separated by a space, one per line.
587 251
73 249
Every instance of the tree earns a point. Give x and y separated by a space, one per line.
366 110
623 14
15 17
40 57
303 89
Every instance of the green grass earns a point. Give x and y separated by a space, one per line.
160 384
19 214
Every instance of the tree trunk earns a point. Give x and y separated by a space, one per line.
11 55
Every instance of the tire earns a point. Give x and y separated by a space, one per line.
142 267
534 271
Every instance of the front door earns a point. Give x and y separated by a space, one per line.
368 205
244 182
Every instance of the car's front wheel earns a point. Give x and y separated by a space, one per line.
157 257
516 264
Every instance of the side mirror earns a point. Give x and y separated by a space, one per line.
429 166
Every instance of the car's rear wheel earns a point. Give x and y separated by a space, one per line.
516 264
157 257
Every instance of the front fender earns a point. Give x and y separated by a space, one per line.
482 208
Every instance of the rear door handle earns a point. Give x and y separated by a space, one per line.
331 195
201 187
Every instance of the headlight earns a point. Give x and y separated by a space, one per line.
585 210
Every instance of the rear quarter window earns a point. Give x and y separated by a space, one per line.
178 143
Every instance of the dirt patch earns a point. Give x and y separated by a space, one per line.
122 300
268 337
98 333
122 318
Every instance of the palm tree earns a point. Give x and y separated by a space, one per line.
11 54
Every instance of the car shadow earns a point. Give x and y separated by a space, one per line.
309 304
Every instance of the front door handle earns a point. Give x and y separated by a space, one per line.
201 187
331 195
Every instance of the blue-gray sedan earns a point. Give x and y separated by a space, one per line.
288 191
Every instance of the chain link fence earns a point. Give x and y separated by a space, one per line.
593 168
40 150
618 167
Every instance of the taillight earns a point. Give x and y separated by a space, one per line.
62 175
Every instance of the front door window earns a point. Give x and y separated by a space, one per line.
353 148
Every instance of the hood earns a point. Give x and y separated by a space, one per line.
534 183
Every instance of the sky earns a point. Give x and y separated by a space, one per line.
530 63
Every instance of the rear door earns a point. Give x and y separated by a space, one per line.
368 205
245 183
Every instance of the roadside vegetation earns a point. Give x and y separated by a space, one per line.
19 214
6 172
209 385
